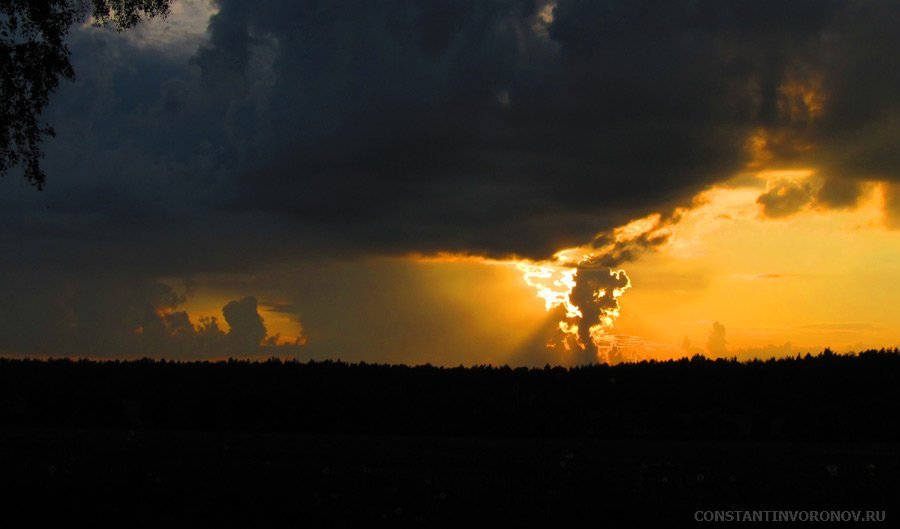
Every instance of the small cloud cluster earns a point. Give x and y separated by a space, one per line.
784 198
246 329
626 243
596 294
716 344
122 317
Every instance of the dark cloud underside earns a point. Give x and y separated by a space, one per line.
304 128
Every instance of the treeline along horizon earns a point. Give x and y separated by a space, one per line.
826 397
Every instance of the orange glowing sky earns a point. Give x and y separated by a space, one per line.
816 278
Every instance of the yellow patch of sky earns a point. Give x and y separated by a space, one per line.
495 310
821 277
818 278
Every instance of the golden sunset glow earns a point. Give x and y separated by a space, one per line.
777 285
779 277
553 282
813 279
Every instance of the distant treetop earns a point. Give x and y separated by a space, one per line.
34 56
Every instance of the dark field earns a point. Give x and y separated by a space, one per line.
163 479
163 444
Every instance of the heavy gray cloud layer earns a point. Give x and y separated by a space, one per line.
485 127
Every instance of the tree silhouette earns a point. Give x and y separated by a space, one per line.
35 56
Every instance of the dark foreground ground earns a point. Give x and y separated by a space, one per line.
137 478
328 444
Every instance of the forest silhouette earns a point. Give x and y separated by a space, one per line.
823 397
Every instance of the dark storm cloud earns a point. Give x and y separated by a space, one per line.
310 128
467 126
480 127
860 125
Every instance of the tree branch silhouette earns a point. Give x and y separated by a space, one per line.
33 58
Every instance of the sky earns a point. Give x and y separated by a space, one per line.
466 182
